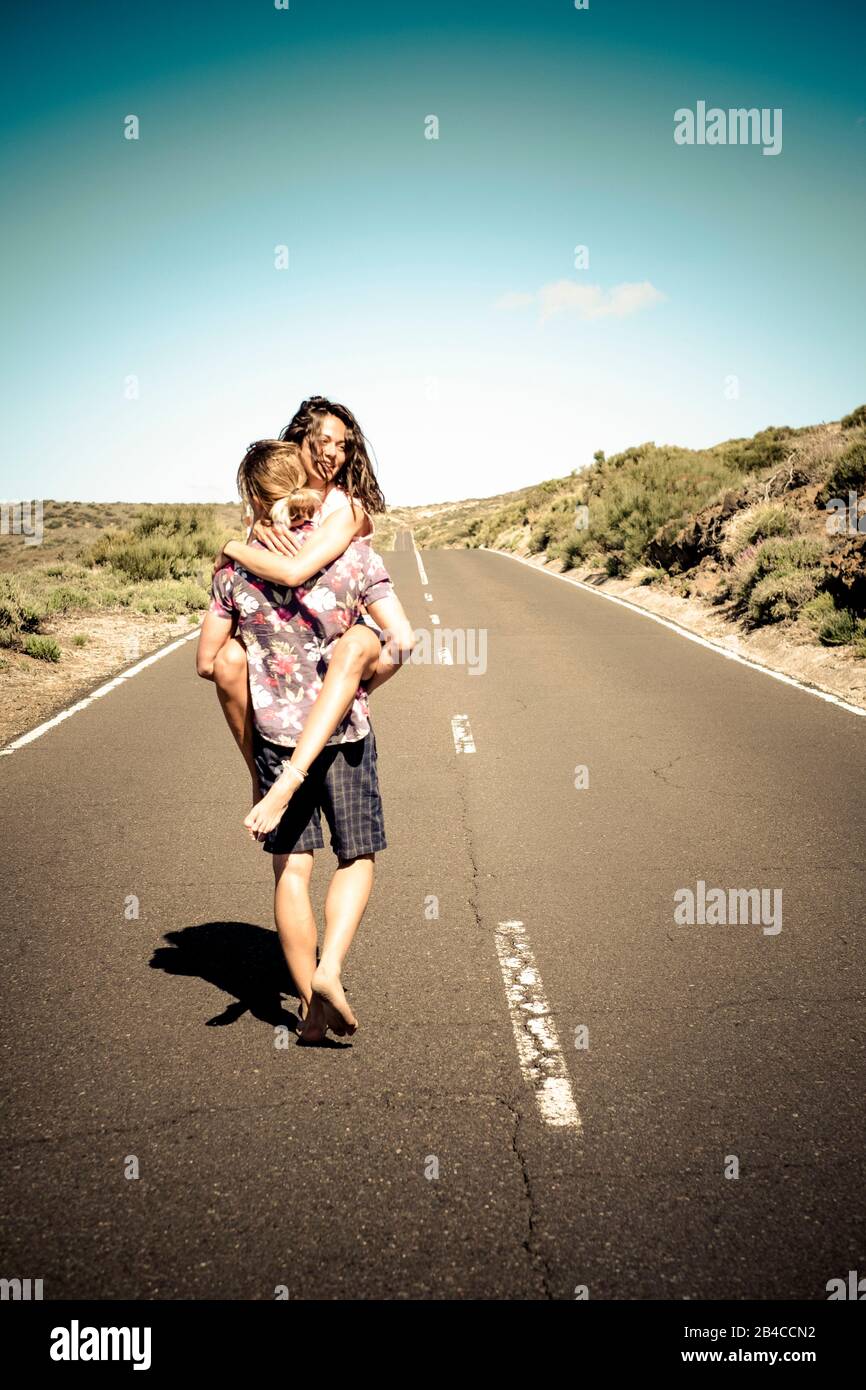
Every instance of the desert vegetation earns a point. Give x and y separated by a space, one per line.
765 528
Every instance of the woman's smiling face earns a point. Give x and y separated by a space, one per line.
324 449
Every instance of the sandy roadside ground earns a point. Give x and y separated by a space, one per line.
31 691
783 649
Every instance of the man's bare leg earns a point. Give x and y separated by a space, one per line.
347 898
355 656
233 691
296 924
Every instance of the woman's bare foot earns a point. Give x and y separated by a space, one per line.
268 812
328 987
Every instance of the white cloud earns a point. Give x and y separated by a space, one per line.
586 301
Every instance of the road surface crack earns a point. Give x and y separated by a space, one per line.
470 850
536 1259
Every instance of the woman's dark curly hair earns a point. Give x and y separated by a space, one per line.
356 476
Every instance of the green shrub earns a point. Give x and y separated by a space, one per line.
17 614
836 627
170 597
857 417
781 595
794 563
818 610
80 639
540 538
179 520
756 523
165 543
633 495
762 451
43 648
781 554
848 473
572 550
60 600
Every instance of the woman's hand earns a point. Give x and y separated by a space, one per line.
277 537
222 558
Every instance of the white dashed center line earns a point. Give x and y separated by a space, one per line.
421 569
463 740
538 1049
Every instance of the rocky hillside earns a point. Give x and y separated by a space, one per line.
764 529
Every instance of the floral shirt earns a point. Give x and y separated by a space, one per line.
290 635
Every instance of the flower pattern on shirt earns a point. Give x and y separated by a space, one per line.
290 634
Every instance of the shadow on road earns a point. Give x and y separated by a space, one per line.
241 959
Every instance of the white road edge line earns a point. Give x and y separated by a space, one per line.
96 694
684 632
541 1059
463 740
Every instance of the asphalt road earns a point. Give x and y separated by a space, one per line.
152 1038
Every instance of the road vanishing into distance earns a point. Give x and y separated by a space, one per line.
558 1089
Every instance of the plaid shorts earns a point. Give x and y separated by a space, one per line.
343 782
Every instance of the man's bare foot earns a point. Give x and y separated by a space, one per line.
328 987
314 1026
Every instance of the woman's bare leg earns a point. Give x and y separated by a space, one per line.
233 691
355 657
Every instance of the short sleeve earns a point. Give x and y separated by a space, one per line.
377 583
336 500
222 602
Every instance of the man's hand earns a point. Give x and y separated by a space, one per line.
277 537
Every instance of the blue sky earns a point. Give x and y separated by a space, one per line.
415 289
